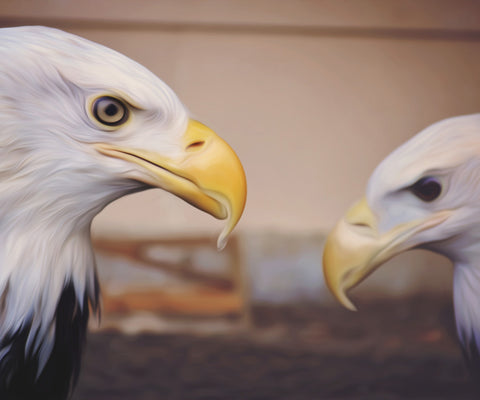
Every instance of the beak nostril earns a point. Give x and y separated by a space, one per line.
195 145
361 224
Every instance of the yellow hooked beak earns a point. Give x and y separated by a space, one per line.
208 174
355 247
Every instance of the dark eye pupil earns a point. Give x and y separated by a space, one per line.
427 189
111 110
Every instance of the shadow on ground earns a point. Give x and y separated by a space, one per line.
402 349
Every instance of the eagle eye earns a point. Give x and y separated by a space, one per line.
110 111
427 188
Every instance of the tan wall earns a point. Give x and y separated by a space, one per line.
311 94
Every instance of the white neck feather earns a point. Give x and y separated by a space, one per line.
51 187
35 267
45 246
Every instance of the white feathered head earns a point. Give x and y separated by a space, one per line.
426 194
81 125
78 107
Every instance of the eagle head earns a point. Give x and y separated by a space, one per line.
425 194
80 126
95 125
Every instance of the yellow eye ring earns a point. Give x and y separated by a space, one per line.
109 111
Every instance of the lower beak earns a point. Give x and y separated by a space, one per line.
355 248
207 175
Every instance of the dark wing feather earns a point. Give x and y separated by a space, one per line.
18 372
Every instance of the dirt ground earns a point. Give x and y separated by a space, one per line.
390 349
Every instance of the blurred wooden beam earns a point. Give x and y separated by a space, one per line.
202 294
199 301
458 34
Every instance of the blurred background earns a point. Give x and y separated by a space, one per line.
312 95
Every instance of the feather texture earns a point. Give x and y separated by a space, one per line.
53 183
60 164
449 152
21 373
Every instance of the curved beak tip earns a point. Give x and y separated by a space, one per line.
346 302
334 275
222 242
234 214
339 293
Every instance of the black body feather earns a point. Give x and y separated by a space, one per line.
472 357
18 371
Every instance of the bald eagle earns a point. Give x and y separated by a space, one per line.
426 194
80 126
